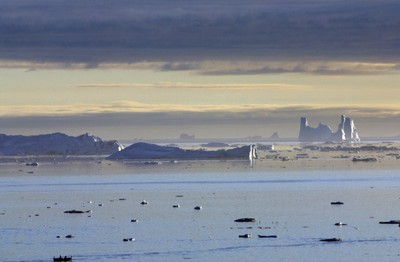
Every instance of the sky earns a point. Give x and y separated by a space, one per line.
214 69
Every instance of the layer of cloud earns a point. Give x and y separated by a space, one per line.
219 67
254 109
179 85
87 34
332 68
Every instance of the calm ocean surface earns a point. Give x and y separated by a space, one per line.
293 205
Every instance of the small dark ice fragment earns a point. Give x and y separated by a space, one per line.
245 219
76 211
267 236
391 222
335 239
62 259
128 239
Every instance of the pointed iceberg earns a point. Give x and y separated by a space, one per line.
346 132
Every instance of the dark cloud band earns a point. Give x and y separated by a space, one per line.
132 31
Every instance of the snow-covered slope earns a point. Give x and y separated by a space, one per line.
57 144
152 151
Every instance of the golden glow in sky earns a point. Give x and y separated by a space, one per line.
155 70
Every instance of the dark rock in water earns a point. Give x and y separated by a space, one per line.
335 239
246 236
198 208
128 239
77 211
245 219
74 212
337 203
267 236
62 259
391 222
32 164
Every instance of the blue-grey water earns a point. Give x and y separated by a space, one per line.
293 205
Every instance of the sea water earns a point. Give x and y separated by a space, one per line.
294 205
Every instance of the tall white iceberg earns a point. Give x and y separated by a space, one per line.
347 132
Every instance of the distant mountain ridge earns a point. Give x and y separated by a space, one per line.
56 144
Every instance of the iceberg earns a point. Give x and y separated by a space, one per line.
56 144
145 151
346 132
